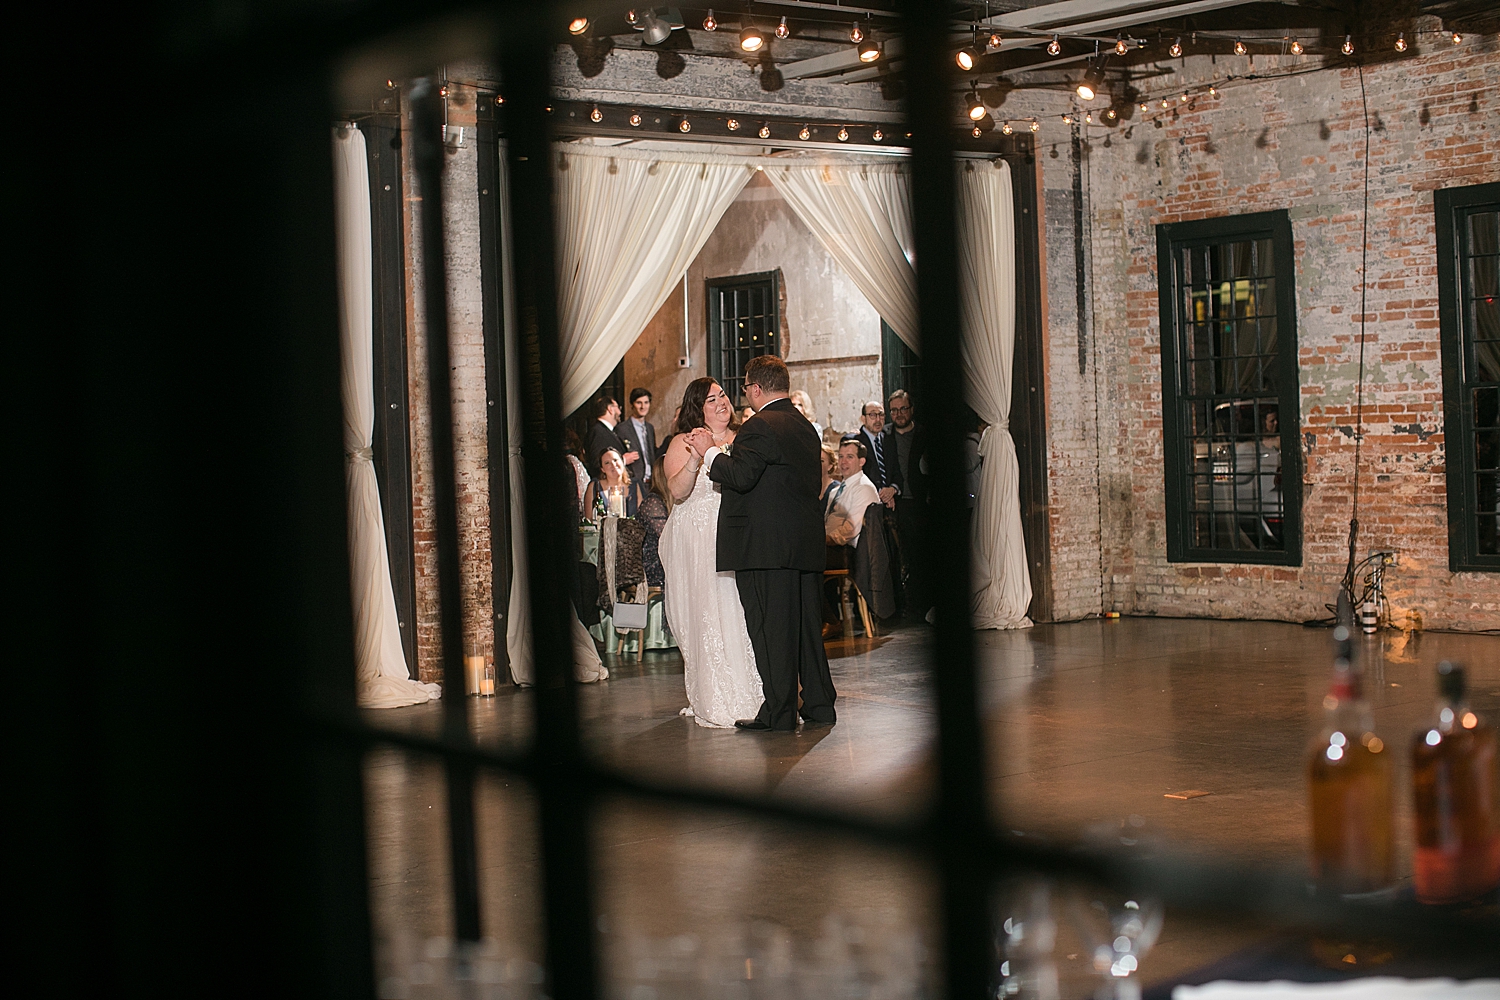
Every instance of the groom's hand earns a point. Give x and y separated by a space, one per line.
700 439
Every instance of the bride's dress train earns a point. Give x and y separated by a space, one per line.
704 613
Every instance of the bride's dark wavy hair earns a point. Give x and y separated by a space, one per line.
691 416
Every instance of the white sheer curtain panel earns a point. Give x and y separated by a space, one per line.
861 213
629 223
987 314
382 680
520 650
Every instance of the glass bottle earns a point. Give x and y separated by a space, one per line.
1457 799
1349 786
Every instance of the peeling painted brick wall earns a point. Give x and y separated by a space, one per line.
1296 144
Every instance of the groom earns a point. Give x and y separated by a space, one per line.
771 536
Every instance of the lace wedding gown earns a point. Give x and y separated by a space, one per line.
704 612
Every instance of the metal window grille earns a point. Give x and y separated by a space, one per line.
1229 390
744 322
1468 238
900 367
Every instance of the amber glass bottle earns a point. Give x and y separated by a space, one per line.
1349 789
1456 787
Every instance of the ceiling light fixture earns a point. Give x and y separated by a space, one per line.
1036 126
710 23
1176 49
1165 103
578 25
596 116
635 119
1183 98
1121 46
869 50
1054 47
992 44
843 134
965 59
684 126
1348 47
654 30
1144 105
856 34
1006 128
751 40
1092 80
976 106
1457 38
1239 47
1401 42
1067 119
804 134
1296 47
734 124
1111 114
765 132
977 131
1213 91
782 31
877 135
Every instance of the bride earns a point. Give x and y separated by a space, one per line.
703 606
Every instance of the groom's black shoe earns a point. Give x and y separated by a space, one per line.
753 725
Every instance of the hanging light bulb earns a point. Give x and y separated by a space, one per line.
804 134
1176 49
1457 38
1121 46
1296 47
751 40
443 91
782 31
965 59
1165 103
1036 126
1053 47
684 126
869 50
1144 105
856 34
1006 128
710 23
1401 42
578 25
734 124
635 119
977 131
765 132
877 135
1067 119
1111 114
843 134
992 44
1088 118
1239 47
596 116
1213 91
499 99
976 106
1348 47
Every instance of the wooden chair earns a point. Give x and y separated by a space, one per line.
846 584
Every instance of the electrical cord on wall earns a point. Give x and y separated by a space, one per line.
1359 391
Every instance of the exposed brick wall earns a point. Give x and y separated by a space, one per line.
1294 143
466 347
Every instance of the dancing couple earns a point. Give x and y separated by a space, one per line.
743 552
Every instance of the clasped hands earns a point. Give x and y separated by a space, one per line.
700 439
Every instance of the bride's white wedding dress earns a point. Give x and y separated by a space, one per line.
704 612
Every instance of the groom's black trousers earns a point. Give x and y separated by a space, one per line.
784 614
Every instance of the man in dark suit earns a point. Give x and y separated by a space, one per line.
872 434
906 445
771 536
640 436
602 434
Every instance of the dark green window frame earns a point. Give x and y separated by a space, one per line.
1469 305
1201 416
754 314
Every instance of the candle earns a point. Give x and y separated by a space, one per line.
617 501
474 674
487 679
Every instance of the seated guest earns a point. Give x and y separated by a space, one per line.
830 473
613 477
653 514
574 450
845 504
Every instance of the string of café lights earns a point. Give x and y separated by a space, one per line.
870 50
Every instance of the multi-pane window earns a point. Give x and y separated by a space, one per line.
900 368
1229 390
744 321
1468 235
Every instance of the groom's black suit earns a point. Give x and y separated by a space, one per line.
771 536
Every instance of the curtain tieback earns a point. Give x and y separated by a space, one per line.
984 435
361 455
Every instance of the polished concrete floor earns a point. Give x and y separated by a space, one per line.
1089 725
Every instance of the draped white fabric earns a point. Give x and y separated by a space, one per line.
861 213
629 224
382 680
587 666
987 314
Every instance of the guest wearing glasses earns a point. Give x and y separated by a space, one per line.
872 435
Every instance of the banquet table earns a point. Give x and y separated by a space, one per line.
657 634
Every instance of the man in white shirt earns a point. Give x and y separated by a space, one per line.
844 510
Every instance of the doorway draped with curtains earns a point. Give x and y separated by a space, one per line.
630 222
